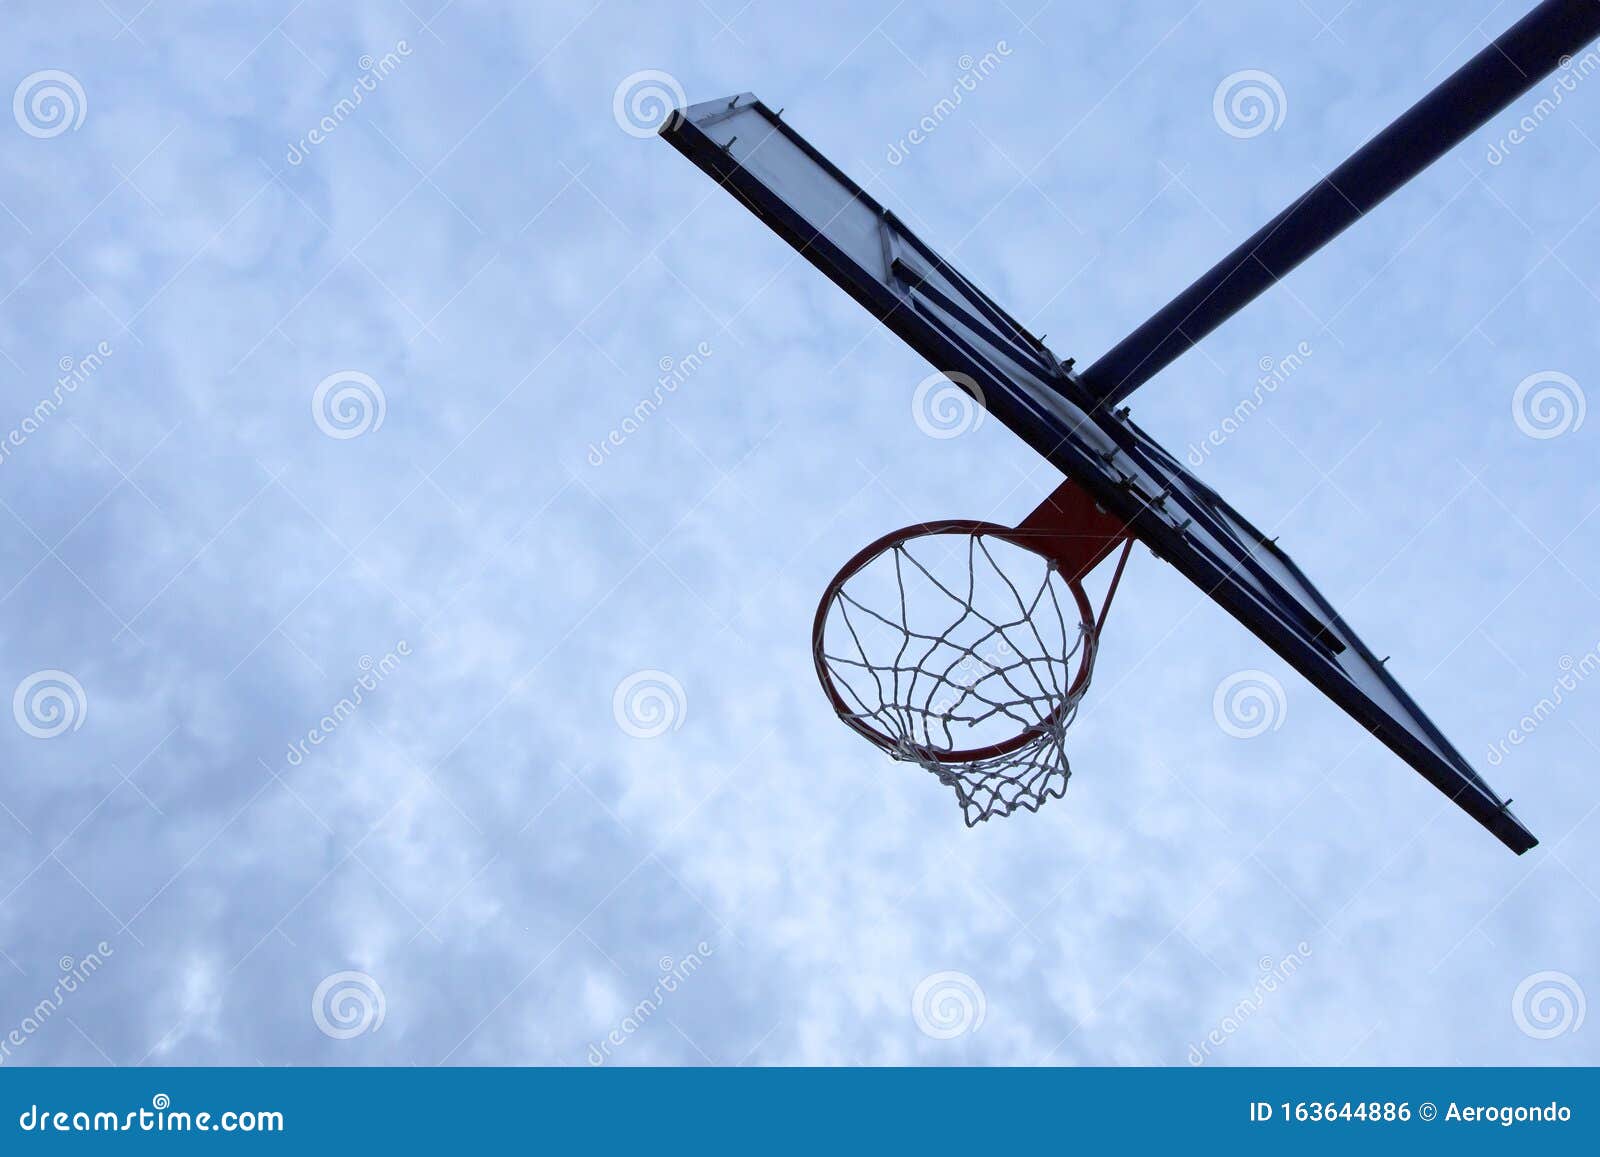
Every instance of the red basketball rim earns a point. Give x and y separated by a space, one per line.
922 530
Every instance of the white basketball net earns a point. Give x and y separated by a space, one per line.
947 645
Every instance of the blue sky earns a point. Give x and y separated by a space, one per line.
487 860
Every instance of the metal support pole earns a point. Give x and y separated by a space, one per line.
1517 60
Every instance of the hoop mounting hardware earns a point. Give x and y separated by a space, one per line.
966 646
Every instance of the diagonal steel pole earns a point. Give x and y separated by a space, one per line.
1512 64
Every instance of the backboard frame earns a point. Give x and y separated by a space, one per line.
960 330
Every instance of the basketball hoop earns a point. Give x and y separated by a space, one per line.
966 647
921 686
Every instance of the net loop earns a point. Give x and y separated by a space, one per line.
959 647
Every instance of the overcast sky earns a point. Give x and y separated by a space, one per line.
331 424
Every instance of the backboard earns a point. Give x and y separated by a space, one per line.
874 257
